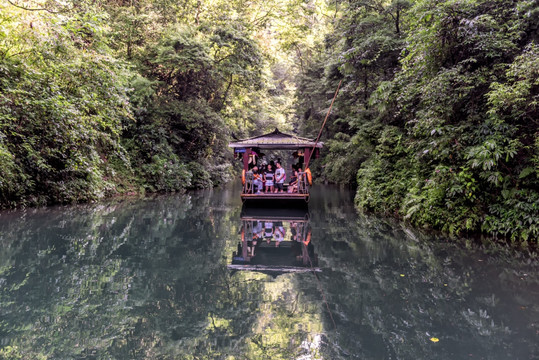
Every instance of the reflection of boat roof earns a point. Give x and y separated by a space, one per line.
275 260
264 214
273 269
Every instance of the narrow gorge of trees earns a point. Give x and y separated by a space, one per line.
436 122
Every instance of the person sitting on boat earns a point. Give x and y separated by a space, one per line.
293 185
269 175
257 182
280 176
268 231
279 234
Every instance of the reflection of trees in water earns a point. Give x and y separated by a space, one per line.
141 280
392 289
148 280
119 279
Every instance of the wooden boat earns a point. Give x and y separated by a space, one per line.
276 140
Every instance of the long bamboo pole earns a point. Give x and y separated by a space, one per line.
323 124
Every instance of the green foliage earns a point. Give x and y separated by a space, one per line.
61 107
165 175
344 157
514 215
13 353
221 174
436 120
438 114
202 176
377 192
10 353
99 99
178 115
458 121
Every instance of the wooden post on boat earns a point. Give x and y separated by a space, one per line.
246 155
307 157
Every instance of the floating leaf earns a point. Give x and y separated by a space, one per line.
434 339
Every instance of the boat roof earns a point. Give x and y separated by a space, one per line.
275 140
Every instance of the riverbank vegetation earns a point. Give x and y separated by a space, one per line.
436 121
104 98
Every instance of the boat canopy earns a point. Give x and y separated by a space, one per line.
249 150
275 140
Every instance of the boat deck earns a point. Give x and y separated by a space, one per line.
275 196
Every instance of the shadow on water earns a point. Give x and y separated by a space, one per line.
181 277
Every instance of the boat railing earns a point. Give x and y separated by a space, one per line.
302 184
248 185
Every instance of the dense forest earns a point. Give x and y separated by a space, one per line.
436 122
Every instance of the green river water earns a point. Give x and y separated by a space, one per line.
170 278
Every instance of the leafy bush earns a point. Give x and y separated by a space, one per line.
166 175
221 174
61 107
439 121
201 176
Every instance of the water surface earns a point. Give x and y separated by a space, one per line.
195 277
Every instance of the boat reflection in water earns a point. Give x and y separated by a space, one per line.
275 241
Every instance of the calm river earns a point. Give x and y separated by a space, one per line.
195 277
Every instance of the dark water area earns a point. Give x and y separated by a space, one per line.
196 276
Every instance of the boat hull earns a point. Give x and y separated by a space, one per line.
275 199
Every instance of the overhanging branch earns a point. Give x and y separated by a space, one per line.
36 9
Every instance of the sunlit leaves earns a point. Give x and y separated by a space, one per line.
517 97
62 106
488 154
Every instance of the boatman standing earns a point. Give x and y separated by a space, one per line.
280 176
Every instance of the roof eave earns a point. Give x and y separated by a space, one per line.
275 146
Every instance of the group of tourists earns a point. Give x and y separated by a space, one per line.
271 178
